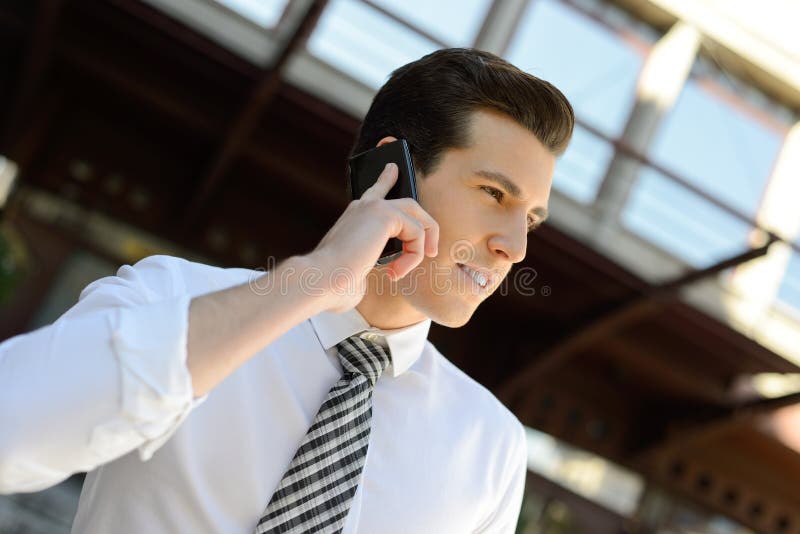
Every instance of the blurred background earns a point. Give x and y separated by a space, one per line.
653 356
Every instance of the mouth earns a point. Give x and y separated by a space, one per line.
481 277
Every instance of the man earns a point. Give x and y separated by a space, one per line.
307 398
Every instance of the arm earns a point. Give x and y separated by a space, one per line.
110 375
122 368
227 327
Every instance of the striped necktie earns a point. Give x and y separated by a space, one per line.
315 493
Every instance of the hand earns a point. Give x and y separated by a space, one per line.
354 243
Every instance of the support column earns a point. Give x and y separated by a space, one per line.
664 74
500 25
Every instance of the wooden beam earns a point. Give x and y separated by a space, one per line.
35 64
183 112
711 332
171 29
166 103
684 381
696 429
263 93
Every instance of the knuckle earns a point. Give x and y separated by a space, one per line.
372 204
411 203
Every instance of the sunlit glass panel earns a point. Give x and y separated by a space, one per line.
265 13
723 146
365 43
454 22
682 222
789 292
595 68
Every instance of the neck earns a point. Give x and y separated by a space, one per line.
384 307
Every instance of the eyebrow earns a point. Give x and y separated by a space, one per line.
512 189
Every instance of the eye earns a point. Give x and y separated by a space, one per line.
496 193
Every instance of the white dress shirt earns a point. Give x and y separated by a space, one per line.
105 389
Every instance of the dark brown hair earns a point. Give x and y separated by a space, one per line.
429 102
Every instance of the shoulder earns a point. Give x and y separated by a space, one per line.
190 276
465 396
487 439
162 276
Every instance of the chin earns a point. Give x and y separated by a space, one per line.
451 322
449 314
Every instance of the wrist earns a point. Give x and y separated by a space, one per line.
308 278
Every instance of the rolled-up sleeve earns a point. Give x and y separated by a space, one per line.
108 377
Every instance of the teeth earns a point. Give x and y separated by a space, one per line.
478 277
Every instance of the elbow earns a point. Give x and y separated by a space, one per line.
18 471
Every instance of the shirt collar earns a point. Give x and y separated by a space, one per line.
405 344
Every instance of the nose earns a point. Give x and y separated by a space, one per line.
510 244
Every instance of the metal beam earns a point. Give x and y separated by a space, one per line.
613 318
621 147
262 94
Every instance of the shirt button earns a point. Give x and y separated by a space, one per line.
370 336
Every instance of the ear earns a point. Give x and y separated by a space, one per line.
387 139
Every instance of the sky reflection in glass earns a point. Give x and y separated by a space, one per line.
595 69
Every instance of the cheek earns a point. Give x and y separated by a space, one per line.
452 207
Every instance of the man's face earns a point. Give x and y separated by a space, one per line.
481 224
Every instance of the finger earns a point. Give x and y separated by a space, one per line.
412 234
412 208
384 183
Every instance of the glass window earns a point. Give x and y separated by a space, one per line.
463 17
592 64
723 145
265 13
595 67
364 43
682 222
582 167
719 143
789 292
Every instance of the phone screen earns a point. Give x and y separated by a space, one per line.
364 170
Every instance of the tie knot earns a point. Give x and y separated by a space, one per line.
363 357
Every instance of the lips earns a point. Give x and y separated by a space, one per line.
487 275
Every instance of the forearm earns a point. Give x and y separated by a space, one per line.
110 375
228 327
89 388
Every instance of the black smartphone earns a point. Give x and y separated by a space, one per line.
364 169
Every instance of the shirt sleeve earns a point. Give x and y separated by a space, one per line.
108 377
506 515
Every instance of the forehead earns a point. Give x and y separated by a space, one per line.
501 145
